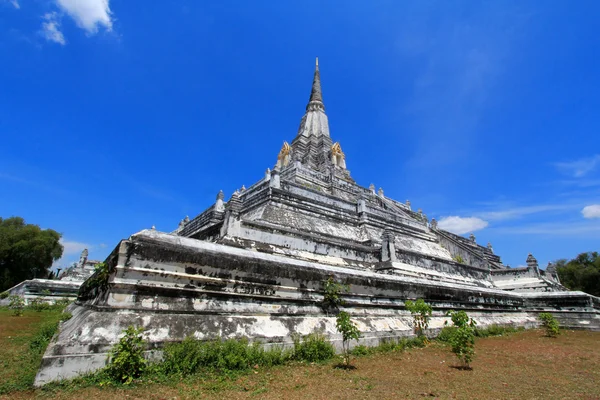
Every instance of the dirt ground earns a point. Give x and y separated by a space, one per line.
524 365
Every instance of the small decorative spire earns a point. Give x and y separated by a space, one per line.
243 189
153 228
220 195
372 188
472 237
186 219
380 192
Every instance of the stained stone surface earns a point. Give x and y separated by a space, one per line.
254 266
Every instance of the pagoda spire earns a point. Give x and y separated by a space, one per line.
316 97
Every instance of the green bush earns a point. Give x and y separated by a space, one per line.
193 355
39 305
312 348
462 338
16 304
4 295
127 360
550 324
446 333
421 312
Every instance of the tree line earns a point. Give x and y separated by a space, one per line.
581 273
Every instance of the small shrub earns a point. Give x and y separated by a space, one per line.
421 312
4 295
361 350
312 348
127 360
446 333
16 304
39 305
462 338
349 332
62 303
550 324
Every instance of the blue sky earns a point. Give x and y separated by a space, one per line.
116 116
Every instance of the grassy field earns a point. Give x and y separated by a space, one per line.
525 365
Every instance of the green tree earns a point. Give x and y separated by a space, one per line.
421 312
349 332
462 339
26 251
581 273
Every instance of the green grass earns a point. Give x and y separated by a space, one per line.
23 340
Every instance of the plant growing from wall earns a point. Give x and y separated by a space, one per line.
127 360
4 295
550 324
458 258
462 339
332 292
349 332
421 312
17 304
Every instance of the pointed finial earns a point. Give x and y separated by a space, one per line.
316 98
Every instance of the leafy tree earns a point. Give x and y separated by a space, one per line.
462 339
349 332
421 312
581 273
26 251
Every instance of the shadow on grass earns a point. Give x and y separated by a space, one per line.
462 367
347 367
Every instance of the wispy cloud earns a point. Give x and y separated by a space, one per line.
518 212
462 225
592 211
51 29
72 247
464 58
579 168
14 3
553 229
88 14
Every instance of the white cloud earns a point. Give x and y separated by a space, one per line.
88 14
579 168
51 29
71 247
460 225
592 211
